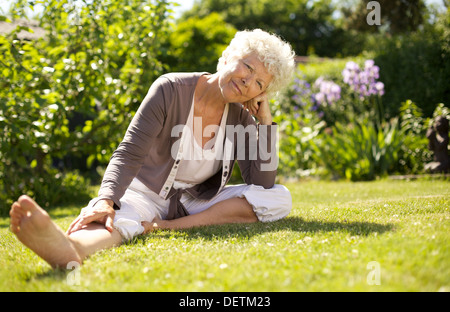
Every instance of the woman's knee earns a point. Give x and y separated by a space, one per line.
270 204
285 201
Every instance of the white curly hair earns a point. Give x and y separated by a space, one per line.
276 55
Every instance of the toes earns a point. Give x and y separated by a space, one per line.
14 228
16 213
14 225
27 203
22 208
16 209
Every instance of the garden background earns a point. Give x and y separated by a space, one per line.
74 72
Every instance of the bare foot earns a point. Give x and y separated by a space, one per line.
34 228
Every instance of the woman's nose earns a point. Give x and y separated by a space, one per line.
247 80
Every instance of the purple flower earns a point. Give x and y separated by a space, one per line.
319 97
301 93
352 66
363 82
318 82
329 92
379 86
369 64
300 87
374 72
347 75
336 89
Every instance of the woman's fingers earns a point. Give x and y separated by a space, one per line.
252 106
82 221
259 107
103 215
73 226
109 223
77 225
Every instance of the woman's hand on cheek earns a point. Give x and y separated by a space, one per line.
259 107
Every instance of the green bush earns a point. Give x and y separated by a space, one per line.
414 151
299 122
73 91
415 67
197 43
308 26
366 149
360 150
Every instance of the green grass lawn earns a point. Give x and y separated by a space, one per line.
340 236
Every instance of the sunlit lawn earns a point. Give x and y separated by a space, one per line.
340 236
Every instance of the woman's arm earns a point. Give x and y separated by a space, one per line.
262 170
129 157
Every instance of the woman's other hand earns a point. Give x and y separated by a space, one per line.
102 212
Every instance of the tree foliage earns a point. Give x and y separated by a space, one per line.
75 90
307 25
197 43
396 16
416 66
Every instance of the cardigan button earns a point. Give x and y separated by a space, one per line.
225 173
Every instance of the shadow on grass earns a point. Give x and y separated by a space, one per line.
296 224
49 274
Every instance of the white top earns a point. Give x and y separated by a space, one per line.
199 164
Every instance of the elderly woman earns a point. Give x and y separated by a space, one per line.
171 169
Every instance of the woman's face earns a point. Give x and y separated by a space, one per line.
244 78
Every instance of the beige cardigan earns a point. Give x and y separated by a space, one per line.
149 143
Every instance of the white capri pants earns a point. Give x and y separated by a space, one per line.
139 204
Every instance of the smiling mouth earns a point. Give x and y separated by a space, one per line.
237 88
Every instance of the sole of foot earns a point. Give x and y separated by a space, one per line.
34 228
